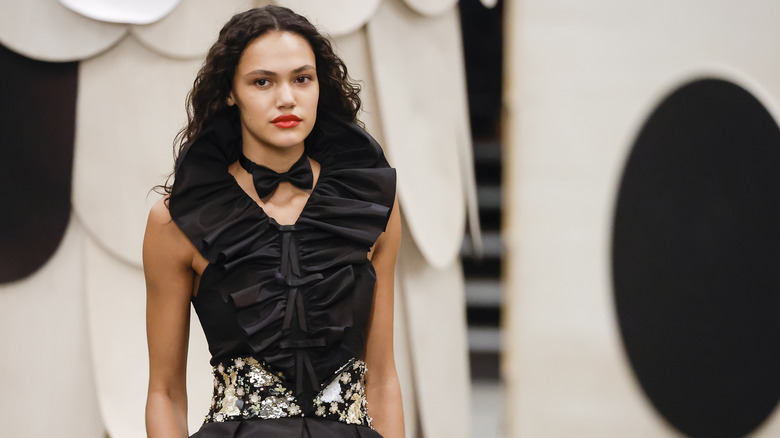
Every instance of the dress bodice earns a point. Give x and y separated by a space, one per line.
294 297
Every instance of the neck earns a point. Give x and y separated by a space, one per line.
276 159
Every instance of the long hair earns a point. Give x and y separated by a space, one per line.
339 95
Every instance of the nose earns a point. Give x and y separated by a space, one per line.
285 97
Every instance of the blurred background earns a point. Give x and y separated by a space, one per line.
590 197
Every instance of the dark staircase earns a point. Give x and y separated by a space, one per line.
483 51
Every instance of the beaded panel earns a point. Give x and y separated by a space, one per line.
344 399
244 388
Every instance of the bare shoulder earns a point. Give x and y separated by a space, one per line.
163 238
159 213
160 221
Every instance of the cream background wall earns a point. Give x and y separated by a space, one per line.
46 374
581 78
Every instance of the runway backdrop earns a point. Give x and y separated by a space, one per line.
641 144
93 94
641 281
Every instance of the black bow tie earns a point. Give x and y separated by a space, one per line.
266 180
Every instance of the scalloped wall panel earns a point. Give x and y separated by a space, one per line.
45 371
130 106
439 350
116 303
122 11
353 50
47 31
431 7
191 29
403 360
334 17
421 110
116 309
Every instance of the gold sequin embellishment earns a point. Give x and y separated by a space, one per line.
344 399
244 388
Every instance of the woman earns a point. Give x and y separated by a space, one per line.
282 230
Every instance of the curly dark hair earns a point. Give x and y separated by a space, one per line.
339 94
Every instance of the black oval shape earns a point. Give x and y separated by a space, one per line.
696 259
37 122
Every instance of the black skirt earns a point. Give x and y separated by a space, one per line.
283 428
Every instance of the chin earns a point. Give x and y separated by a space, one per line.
287 143
291 138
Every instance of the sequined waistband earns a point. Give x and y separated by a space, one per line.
245 388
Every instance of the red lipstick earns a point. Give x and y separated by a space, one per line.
286 121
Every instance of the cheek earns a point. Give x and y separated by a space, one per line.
314 97
254 107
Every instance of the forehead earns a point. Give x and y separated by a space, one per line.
276 51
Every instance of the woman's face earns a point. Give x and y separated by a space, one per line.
276 90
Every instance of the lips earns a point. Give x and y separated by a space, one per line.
286 121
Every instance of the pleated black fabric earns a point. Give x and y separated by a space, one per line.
285 427
294 296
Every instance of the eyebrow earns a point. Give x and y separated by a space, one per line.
271 73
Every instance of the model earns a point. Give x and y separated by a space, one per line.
281 228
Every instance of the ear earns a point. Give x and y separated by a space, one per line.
230 100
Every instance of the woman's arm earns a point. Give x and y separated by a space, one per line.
167 255
383 391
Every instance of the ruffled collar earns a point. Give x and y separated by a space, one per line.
355 180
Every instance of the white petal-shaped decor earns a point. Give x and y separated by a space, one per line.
131 104
191 28
439 350
431 7
490 4
116 301
47 31
403 360
45 371
353 49
116 304
122 11
334 17
421 109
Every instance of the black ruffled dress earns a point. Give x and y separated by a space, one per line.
285 307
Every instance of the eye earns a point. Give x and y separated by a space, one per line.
261 82
303 79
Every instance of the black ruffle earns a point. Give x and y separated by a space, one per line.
353 196
300 294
